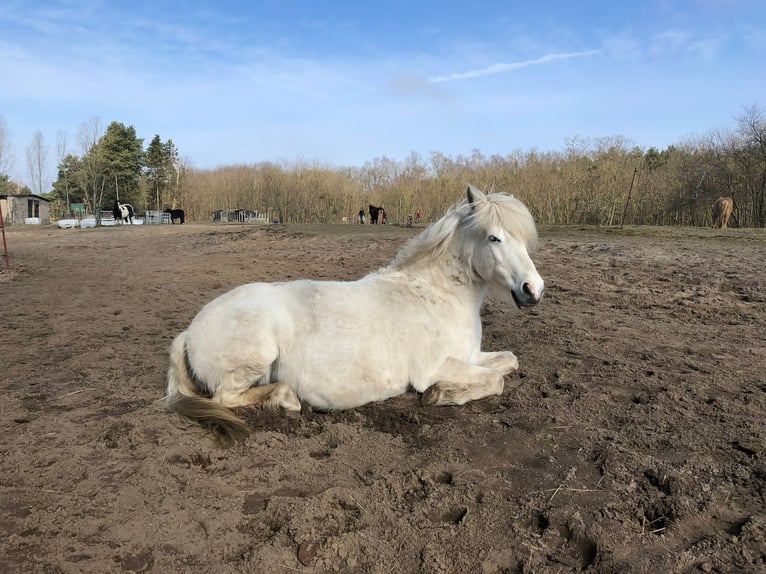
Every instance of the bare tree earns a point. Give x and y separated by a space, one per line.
62 145
93 178
182 167
6 149
752 159
37 162
62 151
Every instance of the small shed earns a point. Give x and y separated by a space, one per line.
17 208
239 216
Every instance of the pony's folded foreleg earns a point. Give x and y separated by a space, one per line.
459 382
503 361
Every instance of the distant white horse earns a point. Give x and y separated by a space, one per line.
278 344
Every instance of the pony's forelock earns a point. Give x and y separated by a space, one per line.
504 211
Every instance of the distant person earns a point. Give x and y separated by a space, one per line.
362 216
417 216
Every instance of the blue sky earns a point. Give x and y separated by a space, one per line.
345 82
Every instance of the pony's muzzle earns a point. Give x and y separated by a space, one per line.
529 296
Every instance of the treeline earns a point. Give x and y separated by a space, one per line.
586 183
115 165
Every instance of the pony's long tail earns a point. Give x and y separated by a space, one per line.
182 397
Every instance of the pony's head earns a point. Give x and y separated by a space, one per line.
490 236
498 235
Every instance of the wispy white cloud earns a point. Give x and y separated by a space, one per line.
708 48
685 42
507 67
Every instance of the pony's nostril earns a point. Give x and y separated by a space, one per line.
527 289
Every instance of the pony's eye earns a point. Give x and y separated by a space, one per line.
494 239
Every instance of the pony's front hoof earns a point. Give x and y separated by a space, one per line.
431 396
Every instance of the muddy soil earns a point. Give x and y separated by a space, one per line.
632 438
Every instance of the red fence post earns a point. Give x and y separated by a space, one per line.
5 245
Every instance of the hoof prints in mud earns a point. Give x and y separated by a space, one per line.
658 510
138 562
452 516
578 551
539 523
564 538
655 517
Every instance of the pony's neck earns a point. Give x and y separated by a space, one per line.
451 275
438 256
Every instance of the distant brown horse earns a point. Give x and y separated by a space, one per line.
722 212
376 214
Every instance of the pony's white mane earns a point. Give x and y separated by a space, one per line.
466 223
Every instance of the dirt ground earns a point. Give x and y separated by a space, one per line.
632 439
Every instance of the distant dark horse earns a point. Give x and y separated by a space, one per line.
123 212
176 214
377 214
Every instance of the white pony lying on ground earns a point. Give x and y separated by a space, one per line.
278 344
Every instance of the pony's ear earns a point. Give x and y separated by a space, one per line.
474 196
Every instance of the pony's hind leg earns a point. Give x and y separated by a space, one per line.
459 382
274 396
